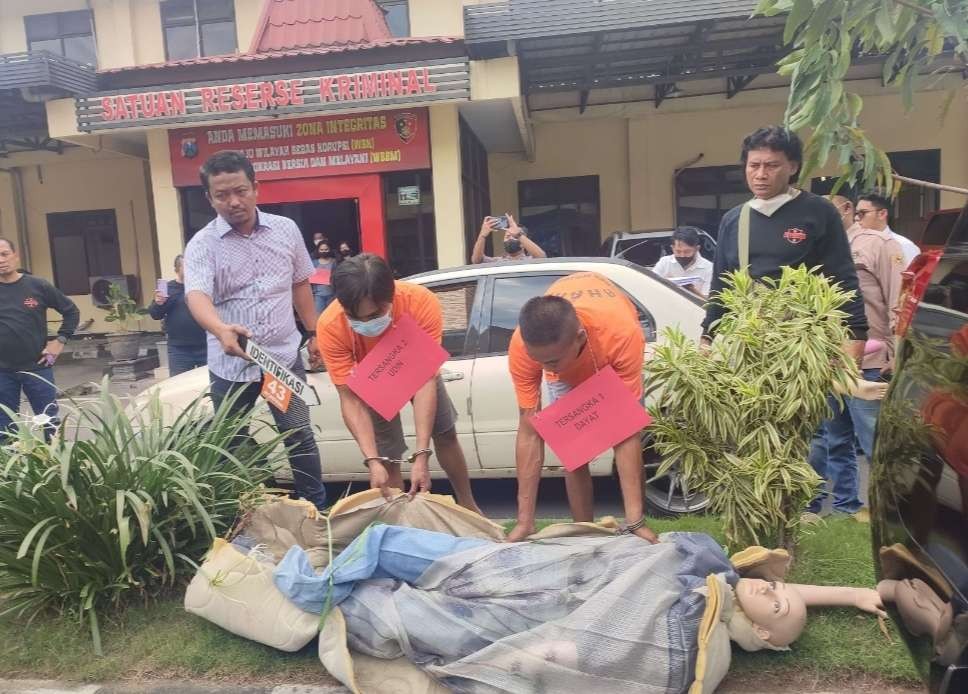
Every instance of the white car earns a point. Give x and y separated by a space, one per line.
481 305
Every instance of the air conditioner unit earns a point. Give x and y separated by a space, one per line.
101 286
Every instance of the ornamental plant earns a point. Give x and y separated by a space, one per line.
121 308
737 420
115 507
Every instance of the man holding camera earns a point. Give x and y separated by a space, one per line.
517 245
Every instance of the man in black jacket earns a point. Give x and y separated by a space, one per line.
26 355
787 228
187 342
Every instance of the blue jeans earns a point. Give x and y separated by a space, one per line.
832 452
182 358
294 422
39 388
863 414
322 301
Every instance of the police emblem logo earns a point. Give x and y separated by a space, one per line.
189 147
406 127
795 235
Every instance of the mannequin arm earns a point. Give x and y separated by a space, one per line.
865 599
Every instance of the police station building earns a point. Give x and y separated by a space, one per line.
396 125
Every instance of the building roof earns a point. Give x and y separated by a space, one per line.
506 20
294 24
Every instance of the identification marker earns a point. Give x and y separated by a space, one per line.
593 417
281 375
404 359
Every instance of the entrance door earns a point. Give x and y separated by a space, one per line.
367 190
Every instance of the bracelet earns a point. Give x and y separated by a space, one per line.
631 527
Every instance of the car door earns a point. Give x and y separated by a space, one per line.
494 405
340 453
460 303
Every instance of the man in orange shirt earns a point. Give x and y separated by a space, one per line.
367 301
582 324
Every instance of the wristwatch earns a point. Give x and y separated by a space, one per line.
62 339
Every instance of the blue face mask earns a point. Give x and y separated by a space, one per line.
371 328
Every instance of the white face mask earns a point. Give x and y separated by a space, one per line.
373 327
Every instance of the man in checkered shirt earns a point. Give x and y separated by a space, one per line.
244 273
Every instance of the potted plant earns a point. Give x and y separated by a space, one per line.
738 420
122 309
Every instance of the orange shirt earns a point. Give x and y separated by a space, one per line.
342 349
614 338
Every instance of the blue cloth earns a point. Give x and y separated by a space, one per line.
832 451
182 358
39 388
382 551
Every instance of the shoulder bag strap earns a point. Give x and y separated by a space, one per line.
743 240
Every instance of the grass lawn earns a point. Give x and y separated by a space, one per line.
162 640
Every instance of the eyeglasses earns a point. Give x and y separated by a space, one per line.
859 214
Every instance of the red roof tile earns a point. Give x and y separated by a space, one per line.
293 24
271 55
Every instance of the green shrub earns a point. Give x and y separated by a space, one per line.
117 509
738 421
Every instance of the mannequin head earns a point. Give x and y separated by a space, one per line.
778 612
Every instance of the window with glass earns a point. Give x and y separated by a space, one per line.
510 294
397 13
409 214
83 245
70 34
196 28
562 215
706 193
456 303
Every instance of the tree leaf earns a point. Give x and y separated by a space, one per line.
802 9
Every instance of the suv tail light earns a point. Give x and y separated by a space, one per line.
914 282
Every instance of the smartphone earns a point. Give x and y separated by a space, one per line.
162 288
500 222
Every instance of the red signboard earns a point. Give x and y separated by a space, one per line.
309 147
397 367
596 415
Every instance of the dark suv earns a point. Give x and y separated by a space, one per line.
919 472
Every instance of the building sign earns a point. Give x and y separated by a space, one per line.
383 86
325 146
408 195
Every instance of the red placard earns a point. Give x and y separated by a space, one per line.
595 416
308 147
404 359
321 276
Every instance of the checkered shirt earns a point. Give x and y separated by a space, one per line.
250 282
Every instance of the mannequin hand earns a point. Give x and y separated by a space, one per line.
868 600
869 390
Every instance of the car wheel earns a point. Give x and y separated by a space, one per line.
666 495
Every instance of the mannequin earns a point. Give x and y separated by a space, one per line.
778 610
